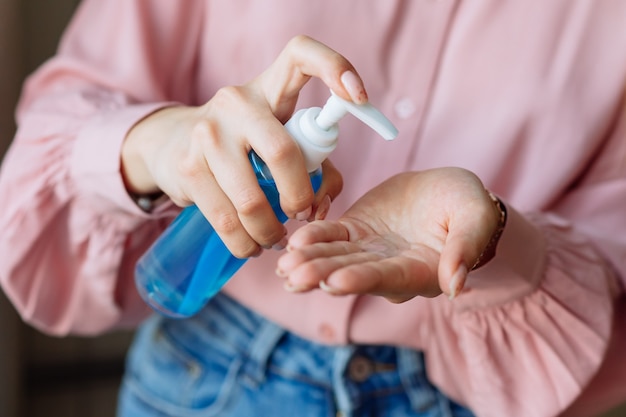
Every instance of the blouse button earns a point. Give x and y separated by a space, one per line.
405 108
327 332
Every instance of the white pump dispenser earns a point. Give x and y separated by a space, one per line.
316 131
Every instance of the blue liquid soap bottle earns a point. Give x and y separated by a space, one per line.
188 264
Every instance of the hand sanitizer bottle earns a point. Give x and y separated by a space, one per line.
188 264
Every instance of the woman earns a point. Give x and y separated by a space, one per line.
522 98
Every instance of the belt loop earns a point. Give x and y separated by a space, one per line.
341 392
261 347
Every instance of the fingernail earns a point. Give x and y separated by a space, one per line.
354 87
458 281
322 209
327 288
282 244
293 288
304 214
279 272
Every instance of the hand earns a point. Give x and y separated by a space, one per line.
417 233
200 154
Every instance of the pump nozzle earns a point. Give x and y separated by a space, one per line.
316 129
336 107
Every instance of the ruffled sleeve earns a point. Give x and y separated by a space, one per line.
70 232
521 345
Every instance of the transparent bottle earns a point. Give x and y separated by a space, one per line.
188 264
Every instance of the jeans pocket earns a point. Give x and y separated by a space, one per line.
163 378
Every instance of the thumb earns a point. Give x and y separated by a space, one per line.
474 234
301 59
458 256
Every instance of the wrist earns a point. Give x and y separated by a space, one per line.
134 171
140 146
135 176
138 181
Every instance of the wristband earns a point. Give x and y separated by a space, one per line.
147 202
490 250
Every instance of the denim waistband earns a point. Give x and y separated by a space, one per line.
250 356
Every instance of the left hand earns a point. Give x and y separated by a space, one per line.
416 234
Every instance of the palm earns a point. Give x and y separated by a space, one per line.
391 240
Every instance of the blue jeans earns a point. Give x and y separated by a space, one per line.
229 361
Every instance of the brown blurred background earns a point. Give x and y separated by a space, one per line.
40 375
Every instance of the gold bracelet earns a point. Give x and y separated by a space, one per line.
490 250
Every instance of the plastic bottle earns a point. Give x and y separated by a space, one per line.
189 263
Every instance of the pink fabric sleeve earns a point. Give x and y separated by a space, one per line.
64 202
534 326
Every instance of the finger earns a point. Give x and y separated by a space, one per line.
465 241
291 260
226 190
254 212
332 184
269 139
308 274
220 212
398 278
318 231
247 123
301 59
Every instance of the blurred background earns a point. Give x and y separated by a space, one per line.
41 375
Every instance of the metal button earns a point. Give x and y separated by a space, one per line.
360 368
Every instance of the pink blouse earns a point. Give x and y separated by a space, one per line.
527 94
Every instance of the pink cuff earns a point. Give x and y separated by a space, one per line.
514 272
95 162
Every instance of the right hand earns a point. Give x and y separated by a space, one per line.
199 155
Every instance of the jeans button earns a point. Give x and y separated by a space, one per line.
360 368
